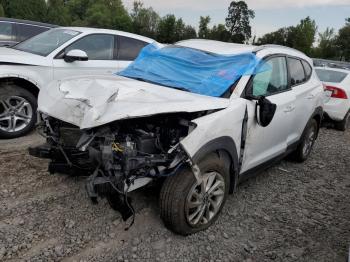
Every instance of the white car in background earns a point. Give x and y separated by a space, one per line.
58 53
337 88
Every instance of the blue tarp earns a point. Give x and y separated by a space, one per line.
190 69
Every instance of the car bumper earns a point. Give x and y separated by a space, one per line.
336 108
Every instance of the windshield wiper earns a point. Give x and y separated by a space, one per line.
155 83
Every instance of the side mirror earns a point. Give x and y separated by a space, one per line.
75 55
265 111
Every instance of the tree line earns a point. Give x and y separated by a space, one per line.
168 29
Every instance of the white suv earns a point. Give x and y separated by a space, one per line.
54 54
199 116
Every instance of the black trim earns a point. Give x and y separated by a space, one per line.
15 64
258 169
227 144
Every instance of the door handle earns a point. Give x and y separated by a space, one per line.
289 108
311 96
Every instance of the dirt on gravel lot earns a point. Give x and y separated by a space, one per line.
290 212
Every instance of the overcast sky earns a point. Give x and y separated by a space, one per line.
270 14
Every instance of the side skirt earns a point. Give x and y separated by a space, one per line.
258 169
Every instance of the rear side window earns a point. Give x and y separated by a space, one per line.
27 31
307 68
6 31
129 48
330 75
297 74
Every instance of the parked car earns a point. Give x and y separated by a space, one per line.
337 87
13 31
201 115
55 54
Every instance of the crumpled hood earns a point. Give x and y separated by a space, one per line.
16 57
93 101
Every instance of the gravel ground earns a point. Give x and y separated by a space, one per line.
291 212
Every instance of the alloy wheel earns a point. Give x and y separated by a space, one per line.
15 113
205 199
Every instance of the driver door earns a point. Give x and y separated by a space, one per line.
265 143
101 51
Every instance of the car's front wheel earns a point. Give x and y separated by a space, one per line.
17 111
188 206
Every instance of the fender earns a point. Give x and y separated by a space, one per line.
227 145
22 77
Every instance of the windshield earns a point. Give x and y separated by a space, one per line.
330 75
44 43
190 69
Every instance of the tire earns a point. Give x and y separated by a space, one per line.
178 191
17 111
343 125
307 142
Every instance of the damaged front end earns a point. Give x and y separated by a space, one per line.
119 157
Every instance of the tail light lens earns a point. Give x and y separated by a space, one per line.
336 92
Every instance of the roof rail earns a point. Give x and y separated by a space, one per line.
261 47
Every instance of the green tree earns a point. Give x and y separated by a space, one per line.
204 31
28 9
344 41
189 32
238 21
57 13
108 14
327 47
166 29
283 36
2 12
77 10
304 37
144 20
220 33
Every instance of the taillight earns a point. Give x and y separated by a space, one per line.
336 92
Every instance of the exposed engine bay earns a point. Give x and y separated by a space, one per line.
119 157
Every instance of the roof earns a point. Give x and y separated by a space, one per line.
224 48
21 21
90 30
217 47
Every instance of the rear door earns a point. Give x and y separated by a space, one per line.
101 51
306 90
265 143
128 50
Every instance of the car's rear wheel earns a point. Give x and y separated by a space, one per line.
343 125
17 111
188 206
307 142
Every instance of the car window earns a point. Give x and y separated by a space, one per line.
26 31
97 46
297 74
307 68
272 79
129 48
43 44
330 75
6 31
